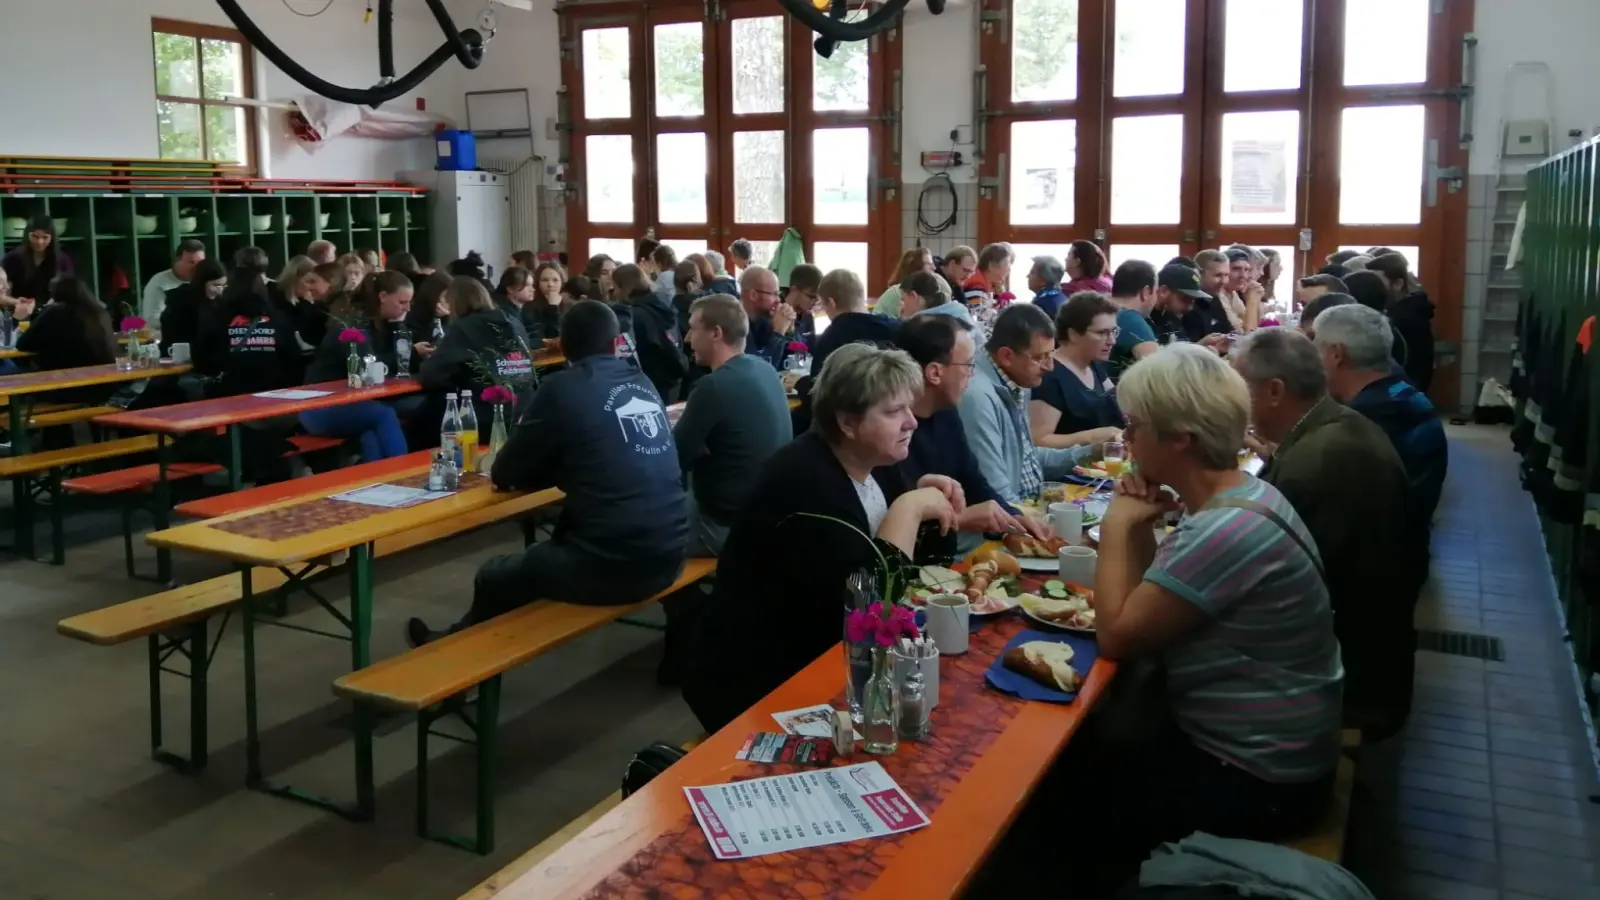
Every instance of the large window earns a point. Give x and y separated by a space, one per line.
1159 127
201 73
703 129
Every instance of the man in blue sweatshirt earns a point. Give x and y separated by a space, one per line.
599 432
770 318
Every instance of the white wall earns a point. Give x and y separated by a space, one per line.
90 63
939 57
1558 33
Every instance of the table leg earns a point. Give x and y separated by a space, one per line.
360 658
235 472
17 422
252 732
163 508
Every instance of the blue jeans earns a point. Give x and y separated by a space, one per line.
374 423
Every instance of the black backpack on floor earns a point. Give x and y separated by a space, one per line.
647 764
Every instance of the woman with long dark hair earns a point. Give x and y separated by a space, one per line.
548 279
323 287
598 270
1086 269
36 262
184 316
73 330
1411 313
429 317
376 314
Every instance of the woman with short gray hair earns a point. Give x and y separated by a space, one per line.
1231 605
837 496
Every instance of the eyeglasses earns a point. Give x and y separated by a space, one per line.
1106 334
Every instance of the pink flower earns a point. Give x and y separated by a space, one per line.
885 634
497 394
132 323
858 626
351 336
798 347
1269 323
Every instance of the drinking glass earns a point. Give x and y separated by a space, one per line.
1114 459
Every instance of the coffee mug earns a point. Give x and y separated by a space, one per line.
180 353
1067 519
375 373
948 615
1076 565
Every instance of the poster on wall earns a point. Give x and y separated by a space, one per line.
1260 183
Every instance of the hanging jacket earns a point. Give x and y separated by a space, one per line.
791 252
478 350
659 342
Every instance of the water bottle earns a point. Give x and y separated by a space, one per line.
469 433
437 334
402 356
450 431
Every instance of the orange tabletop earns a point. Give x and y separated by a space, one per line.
85 376
220 412
14 354
307 527
987 753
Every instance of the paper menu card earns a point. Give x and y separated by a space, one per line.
292 394
803 809
391 496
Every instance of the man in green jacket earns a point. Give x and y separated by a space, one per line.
1344 478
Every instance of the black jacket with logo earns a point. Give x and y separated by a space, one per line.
492 341
598 431
248 348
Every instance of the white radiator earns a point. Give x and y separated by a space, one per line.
525 175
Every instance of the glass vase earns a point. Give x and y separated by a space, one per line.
880 707
128 351
352 367
857 672
497 430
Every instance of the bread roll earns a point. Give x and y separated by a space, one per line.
1046 662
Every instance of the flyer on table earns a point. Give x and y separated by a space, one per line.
803 809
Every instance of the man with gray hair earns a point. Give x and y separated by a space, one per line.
1347 483
1044 279
322 252
1356 342
721 282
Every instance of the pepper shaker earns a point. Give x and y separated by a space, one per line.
913 707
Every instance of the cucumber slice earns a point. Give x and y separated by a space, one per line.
1055 585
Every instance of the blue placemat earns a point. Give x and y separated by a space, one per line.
1085 652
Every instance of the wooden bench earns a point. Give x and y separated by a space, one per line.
175 622
135 483
424 679
38 475
69 416
522 865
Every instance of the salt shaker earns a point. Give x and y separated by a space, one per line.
913 707
436 473
452 475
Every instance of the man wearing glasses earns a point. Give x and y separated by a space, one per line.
994 407
770 319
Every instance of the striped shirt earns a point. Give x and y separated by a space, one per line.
1258 685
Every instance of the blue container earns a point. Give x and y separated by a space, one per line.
458 150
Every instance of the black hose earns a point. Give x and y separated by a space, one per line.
469 53
386 39
859 30
373 96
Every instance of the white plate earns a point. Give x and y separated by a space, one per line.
1014 603
1049 624
1094 534
1038 564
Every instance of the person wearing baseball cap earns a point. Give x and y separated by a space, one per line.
1177 290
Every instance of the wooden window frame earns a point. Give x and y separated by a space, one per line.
797 121
200 32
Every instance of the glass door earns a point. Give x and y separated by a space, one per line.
681 128
607 206
754 188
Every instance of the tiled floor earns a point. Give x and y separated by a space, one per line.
1486 796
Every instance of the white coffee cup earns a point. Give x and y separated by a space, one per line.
1077 564
375 373
180 353
1067 519
948 615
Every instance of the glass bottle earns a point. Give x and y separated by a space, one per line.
352 366
497 430
880 707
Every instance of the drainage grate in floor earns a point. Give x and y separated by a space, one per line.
1461 643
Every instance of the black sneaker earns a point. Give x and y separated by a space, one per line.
418 632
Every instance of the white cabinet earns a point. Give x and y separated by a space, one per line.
471 211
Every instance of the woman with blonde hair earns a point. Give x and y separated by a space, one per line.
483 346
1233 608
917 259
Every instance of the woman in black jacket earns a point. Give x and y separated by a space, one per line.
514 298
1411 313
376 316
483 346
73 330
248 345
33 264
827 491
184 316
429 317
548 280
655 331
